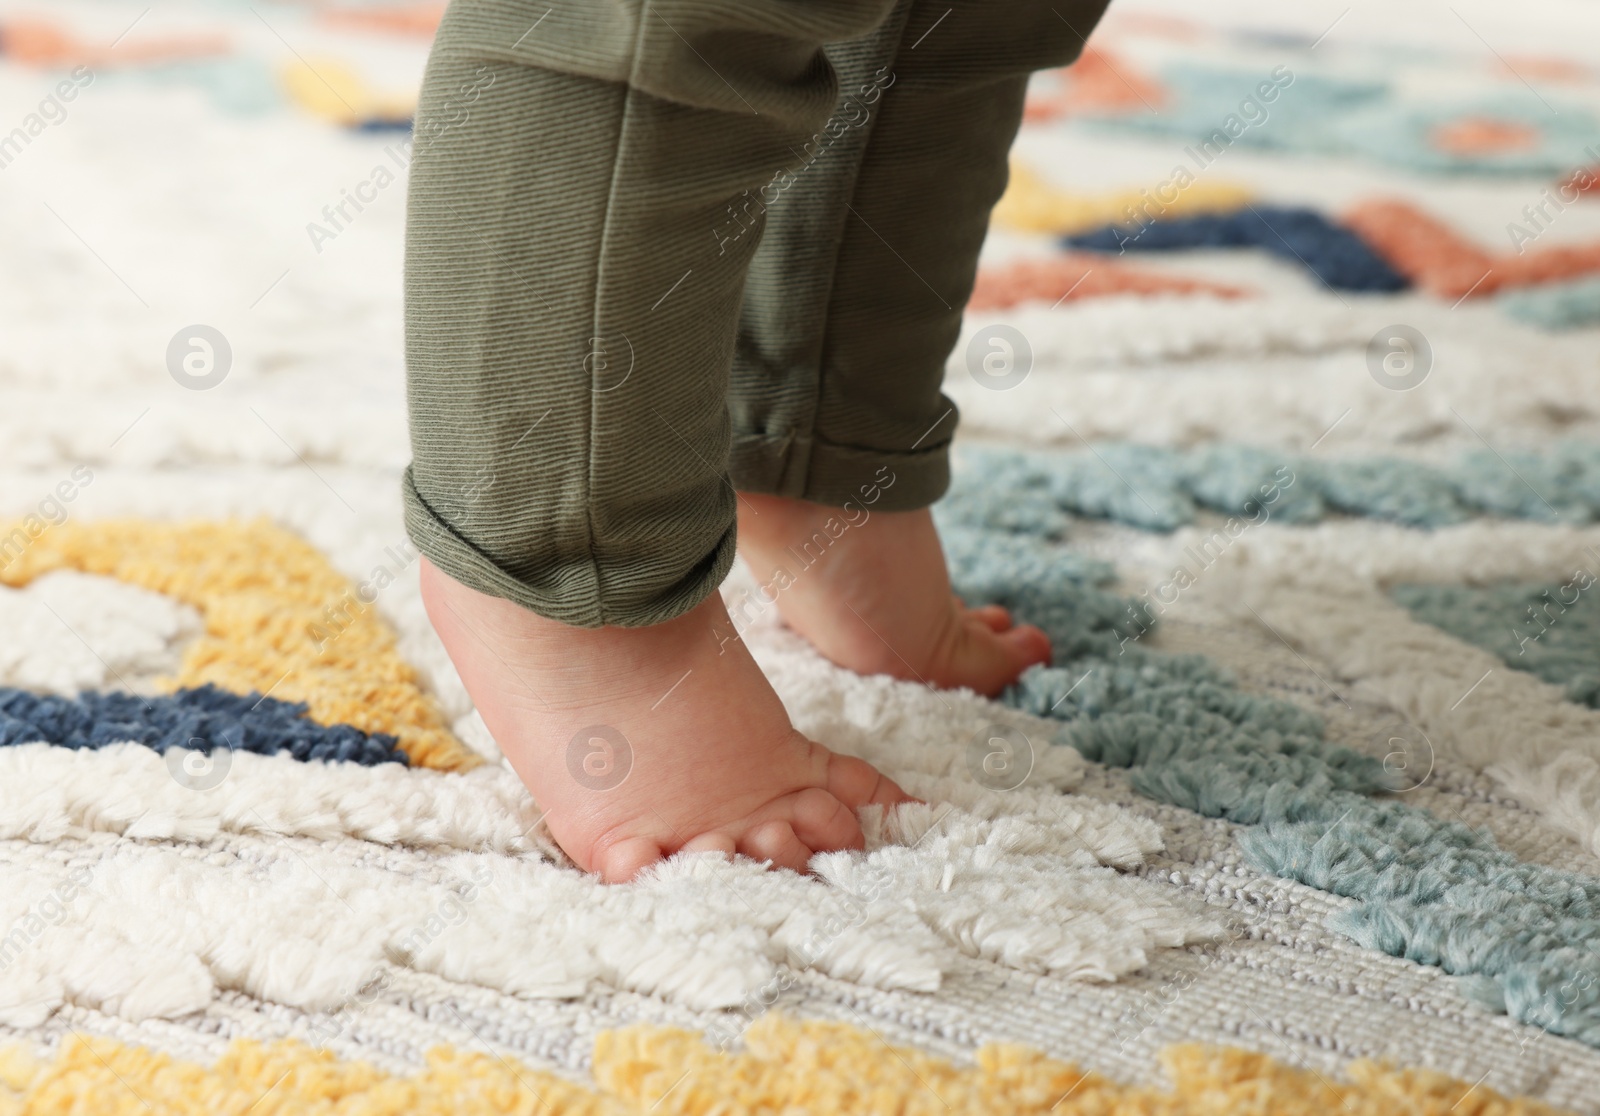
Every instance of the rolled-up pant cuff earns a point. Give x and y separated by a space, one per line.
808 468
580 592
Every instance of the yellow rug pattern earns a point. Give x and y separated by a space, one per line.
787 1067
279 620
1030 204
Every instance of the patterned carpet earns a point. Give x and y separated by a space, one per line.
1280 397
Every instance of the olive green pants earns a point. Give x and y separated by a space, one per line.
658 253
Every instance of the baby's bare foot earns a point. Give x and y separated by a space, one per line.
871 592
642 742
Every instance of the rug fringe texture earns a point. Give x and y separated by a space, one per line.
137 933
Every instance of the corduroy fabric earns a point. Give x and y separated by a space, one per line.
589 187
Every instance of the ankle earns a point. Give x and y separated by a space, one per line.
796 535
767 521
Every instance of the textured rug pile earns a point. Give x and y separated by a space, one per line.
1281 396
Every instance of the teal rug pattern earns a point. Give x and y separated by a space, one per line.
1551 631
1161 489
1523 938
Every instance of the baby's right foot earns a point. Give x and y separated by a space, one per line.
642 742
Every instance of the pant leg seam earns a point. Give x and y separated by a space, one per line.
833 268
594 322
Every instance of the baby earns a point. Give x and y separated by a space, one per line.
682 278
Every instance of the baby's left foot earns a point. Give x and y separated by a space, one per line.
870 590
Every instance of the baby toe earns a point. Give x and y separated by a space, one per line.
993 617
1029 644
856 783
625 859
712 842
823 822
777 842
